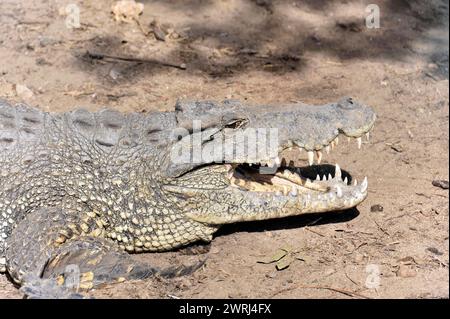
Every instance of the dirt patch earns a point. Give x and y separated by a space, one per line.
270 52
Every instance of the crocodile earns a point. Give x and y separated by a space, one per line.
81 190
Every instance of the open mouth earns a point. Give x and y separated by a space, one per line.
290 181
325 183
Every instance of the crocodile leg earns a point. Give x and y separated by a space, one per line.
50 255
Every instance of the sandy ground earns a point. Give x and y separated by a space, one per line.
271 52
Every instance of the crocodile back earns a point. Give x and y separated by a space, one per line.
20 124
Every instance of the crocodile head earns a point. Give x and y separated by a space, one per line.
227 163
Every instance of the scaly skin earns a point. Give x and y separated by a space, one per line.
110 180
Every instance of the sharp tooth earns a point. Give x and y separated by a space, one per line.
308 181
310 158
318 177
355 182
368 136
294 191
324 178
330 177
359 141
337 172
277 161
332 145
339 191
327 149
364 185
319 156
345 180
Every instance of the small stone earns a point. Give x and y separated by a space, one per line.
440 183
214 250
114 74
359 258
376 208
23 91
406 271
434 251
127 10
46 41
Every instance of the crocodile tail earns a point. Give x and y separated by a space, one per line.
183 270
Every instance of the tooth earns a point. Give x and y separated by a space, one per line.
337 172
367 136
337 140
332 144
277 161
330 177
310 158
364 185
355 182
359 141
324 178
308 181
319 156
318 177
327 149
345 180
339 191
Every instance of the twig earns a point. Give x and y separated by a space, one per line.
338 290
315 232
101 56
342 291
348 277
384 231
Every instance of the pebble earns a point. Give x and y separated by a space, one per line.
405 271
376 208
440 183
23 91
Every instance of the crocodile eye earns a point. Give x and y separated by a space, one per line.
236 123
